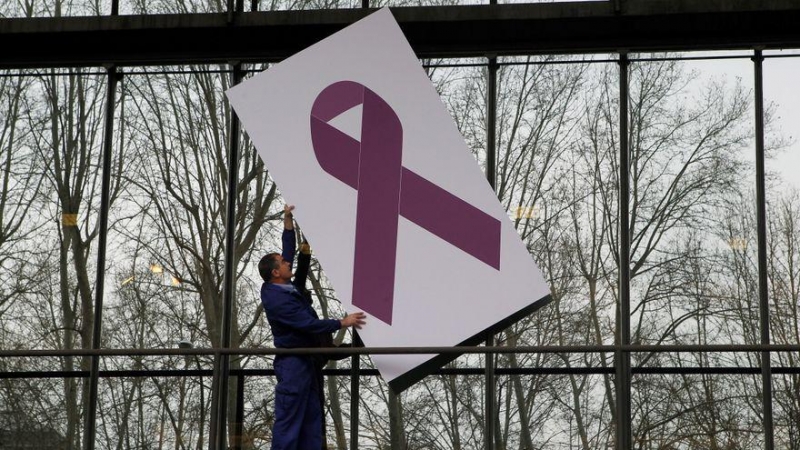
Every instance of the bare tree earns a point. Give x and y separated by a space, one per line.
181 188
20 183
64 116
684 156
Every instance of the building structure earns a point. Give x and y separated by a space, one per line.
89 88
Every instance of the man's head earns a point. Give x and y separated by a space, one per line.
274 269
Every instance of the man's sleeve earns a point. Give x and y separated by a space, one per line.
296 316
301 272
289 245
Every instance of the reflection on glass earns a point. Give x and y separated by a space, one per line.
696 411
166 239
61 8
50 152
136 7
693 278
786 409
154 412
207 7
782 103
557 178
33 416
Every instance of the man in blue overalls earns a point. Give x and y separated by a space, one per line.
295 324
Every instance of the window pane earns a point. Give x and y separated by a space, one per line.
32 414
557 178
693 274
205 6
153 412
63 8
22 171
782 113
51 152
786 408
136 7
697 411
166 242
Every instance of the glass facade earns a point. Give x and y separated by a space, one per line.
183 357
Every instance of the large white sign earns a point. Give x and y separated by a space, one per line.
397 209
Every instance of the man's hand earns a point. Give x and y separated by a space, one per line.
354 320
288 224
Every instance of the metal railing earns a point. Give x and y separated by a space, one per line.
355 372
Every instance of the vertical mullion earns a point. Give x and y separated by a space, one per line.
239 425
355 373
396 438
622 363
491 122
231 10
90 423
222 361
761 217
491 393
491 158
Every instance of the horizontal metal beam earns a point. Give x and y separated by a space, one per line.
458 350
460 371
441 31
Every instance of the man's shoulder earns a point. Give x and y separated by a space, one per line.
269 291
268 286
273 293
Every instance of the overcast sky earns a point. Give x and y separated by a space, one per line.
781 77
780 88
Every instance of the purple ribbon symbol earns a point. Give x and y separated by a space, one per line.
386 191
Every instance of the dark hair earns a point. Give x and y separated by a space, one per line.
267 264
